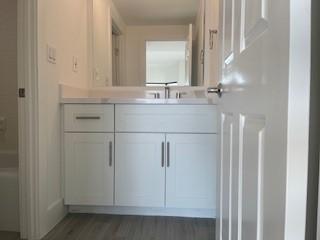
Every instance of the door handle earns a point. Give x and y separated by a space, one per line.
162 154
218 90
110 154
168 154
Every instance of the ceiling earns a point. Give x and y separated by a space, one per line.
157 12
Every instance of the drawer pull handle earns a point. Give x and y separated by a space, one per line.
88 118
110 153
162 156
168 154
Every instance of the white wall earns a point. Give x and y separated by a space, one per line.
136 37
63 25
8 83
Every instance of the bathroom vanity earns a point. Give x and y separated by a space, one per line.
155 156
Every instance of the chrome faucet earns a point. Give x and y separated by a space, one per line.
167 92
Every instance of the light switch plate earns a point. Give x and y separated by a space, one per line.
75 64
51 54
3 124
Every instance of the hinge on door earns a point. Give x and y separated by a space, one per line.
22 92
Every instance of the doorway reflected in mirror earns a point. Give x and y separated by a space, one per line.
166 63
151 43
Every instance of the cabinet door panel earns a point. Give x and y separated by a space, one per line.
191 171
139 175
89 170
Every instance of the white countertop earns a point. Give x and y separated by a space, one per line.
186 101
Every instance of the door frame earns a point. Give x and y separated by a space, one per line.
28 118
298 119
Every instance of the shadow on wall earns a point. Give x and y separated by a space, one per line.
9 186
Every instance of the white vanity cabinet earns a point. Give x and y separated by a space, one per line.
147 156
166 156
89 165
165 170
140 170
191 170
89 154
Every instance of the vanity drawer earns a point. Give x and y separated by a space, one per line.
166 118
88 118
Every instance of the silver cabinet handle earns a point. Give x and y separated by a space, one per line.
110 153
168 154
162 154
88 118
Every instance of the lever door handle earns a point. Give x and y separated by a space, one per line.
218 90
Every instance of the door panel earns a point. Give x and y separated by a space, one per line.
257 167
139 174
254 20
89 170
191 171
251 162
228 30
226 176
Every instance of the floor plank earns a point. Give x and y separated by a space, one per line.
9 236
110 227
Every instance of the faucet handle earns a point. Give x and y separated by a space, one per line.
167 92
155 95
180 94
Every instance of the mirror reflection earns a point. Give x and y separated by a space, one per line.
148 43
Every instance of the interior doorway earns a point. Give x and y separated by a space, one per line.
9 147
166 63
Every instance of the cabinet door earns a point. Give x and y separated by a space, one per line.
191 171
140 170
89 168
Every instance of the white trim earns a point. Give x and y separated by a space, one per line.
298 119
90 44
28 118
143 211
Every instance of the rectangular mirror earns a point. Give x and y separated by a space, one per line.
148 43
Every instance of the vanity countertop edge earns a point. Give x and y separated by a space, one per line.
186 101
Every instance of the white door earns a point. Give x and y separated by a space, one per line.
264 119
189 55
89 167
140 170
191 170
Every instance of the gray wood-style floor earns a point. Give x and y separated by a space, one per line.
109 227
9 236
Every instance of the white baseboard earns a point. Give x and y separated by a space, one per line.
193 213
